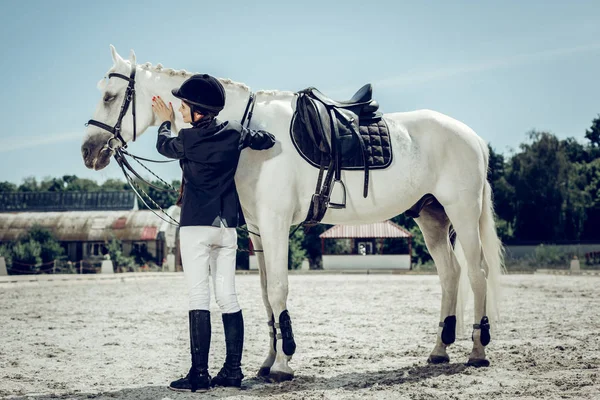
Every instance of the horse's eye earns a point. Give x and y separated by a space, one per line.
108 98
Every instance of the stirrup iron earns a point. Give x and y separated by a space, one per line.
343 203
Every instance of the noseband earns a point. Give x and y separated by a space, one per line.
119 152
129 98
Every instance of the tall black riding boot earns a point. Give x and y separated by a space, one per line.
231 373
198 377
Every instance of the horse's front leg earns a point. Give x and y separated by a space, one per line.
265 368
274 238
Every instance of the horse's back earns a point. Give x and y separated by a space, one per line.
434 123
435 130
449 150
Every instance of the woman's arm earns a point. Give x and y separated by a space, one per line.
257 140
171 147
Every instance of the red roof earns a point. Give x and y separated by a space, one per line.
385 229
120 223
149 233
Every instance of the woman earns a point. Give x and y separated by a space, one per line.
208 152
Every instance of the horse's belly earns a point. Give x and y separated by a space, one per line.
391 192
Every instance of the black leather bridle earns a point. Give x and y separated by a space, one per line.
119 152
129 99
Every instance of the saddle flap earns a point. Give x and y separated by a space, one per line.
347 127
316 120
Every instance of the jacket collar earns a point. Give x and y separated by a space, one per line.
209 128
204 123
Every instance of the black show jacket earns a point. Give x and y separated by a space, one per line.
209 155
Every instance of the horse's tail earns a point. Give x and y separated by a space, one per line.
464 293
493 263
493 253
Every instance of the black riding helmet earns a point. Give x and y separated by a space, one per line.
203 93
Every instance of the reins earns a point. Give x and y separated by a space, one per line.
120 154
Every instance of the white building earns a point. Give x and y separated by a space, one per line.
366 247
84 224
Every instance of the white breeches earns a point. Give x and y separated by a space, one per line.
205 248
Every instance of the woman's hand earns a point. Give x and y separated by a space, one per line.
161 110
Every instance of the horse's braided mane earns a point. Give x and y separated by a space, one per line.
158 68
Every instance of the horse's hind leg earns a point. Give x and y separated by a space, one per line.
434 224
465 217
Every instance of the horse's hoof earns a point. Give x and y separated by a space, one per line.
438 359
478 363
263 372
280 376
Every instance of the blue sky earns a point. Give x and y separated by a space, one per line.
503 68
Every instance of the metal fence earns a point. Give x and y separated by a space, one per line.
66 201
55 267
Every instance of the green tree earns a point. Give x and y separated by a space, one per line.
30 252
121 262
419 249
114 185
311 243
141 255
296 253
539 174
590 175
242 259
420 253
50 248
575 151
591 185
503 194
593 134
75 184
26 257
164 198
52 185
496 165
6 252
66 183
8 187
576 204
29 185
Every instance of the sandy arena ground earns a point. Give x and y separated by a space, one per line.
358 336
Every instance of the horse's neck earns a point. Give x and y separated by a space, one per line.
273 112
160 84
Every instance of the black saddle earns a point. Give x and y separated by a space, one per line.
363 97
334 135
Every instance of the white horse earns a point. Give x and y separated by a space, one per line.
432 154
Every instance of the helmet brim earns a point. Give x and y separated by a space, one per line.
177 93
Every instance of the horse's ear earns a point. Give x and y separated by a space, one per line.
132 57
115 56
101 84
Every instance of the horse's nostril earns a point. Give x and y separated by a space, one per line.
86 152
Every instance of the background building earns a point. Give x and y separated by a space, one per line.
85 222
365 248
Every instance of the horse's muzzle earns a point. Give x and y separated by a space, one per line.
103 158
96 155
